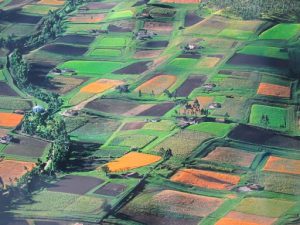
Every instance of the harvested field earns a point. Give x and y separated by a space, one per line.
131 161
134 68
282 165
87 18
111 189
26 146
190 56
190 84
191 19
163 125
111 105
138 109
181 1
158 110
65 49
133 125
144 54
115 28
10 119
159 27
209 62
156 44
3 132
238 218
231 156
183 143
274 90
51 2
11 170
75 184
264 206
257 61
15 16
157 84
75 39
100 86
206 179
171 207
205 101
6 90
98 5
212 128
62 85
137 141
264 137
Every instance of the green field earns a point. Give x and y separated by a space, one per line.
236 34
266 51
86 68
120 15
281 32
105 52
277 116
217 129
108 42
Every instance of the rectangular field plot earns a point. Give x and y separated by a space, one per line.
75 184
266 51
216 129
280 183
231 156
190 84
110 42
236 34
131 161
26 146
11 170
101 52
183 143
282 165
171 207
6 90
269 116
238 218
264 206
206 179
50 204
111 189
132 140
91 68
10 120
281 32
11 103
274 90
134 68
96 130
164 125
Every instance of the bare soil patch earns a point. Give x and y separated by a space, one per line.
133 125
134 68
190 84
65 49
158 110
111 189
6 90
75 184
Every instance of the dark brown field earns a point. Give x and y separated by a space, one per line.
6 90
111 189
158 110
190 84
134 68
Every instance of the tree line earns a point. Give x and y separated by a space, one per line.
275 10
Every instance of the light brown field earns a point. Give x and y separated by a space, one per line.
65 84
51 2
11 170
274 90
231 156
209 62
282 165
158 27
142 54
87 18
206 179
188 204
238 218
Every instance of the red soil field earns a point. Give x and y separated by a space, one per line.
10 119
274 90
189 204
11 170
206 179
238 218
282 165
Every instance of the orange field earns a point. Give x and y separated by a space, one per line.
88 18
10 119
238 218
51 2
188 204
132 160
100 86
282 165
182 1
205 101
274 90
206 179
157 84
10 170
